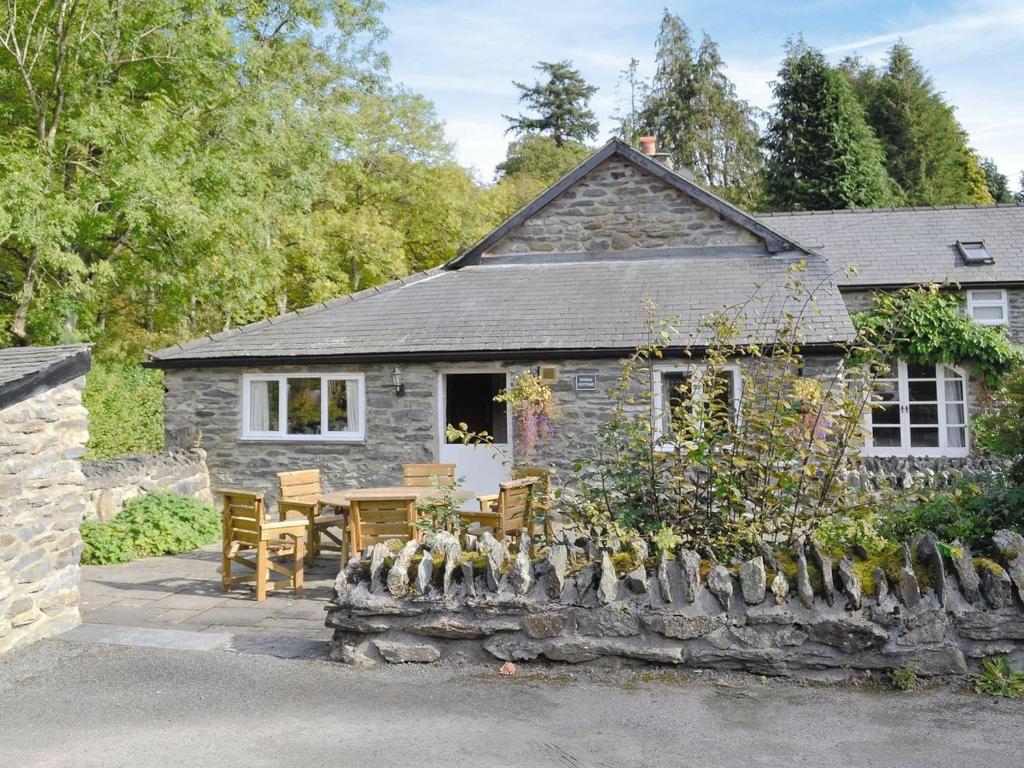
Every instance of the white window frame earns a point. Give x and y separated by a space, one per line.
325 436
1002 302
697 372
904 403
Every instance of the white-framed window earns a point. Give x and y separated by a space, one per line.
922 411
674 386
304 406
988 306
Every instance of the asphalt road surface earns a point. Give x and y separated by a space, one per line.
85 704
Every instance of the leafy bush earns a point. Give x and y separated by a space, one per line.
720 479
998 679
159 523
126 410
970 511
1000 430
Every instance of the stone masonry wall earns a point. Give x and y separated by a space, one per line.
204 406
802 614
42 503
618 207
112 482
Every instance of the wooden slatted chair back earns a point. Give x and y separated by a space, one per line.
424 474
515 504
243 516
373 521
301 485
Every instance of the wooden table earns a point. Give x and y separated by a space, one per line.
340 499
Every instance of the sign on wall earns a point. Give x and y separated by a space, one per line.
586 382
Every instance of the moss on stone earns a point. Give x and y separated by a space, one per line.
624 563
985 564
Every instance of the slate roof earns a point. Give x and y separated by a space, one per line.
565 306
908 246
25 371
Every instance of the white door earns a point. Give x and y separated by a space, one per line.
467 397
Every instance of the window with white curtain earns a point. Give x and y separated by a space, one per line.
988 306
303 406
921 411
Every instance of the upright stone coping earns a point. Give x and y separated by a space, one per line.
501 606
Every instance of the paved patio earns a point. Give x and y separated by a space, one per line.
182 592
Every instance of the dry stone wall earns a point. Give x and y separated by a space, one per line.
42 503
112 482
813 616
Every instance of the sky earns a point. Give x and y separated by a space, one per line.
464 54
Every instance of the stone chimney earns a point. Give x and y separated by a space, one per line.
649 146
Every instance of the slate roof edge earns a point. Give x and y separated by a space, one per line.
60 371
944 284
888 209
775 241
486 355
399 282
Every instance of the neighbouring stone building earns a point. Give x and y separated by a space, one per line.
43 432
360 384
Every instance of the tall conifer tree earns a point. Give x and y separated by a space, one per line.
821 153
926 149
693 109
561 104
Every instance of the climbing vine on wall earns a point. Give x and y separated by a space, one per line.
927 325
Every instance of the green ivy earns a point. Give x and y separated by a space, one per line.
126 410
927 325
159 523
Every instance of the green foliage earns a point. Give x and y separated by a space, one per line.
971 510
1000 429
997 183
927 325
541 158
159 523
440 512
926 149
721 479
692 107
904 678
126 410
561 104
997 678
822 154
174 167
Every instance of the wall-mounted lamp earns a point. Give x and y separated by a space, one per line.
396 379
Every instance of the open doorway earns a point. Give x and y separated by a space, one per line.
468 398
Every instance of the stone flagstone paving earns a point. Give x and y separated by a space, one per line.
182 592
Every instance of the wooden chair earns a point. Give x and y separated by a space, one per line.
507 512
246 529
424 474
541 493
372 521
299 494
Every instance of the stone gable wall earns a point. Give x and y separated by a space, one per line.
618 207
42 502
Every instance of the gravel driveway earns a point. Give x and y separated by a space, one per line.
82 704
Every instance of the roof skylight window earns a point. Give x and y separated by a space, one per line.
974 252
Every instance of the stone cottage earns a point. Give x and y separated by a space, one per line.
359 385
43 431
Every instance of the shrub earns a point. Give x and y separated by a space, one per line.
126 410
159 523
904 678
998 679
1000 430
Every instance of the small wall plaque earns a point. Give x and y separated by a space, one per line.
586 382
